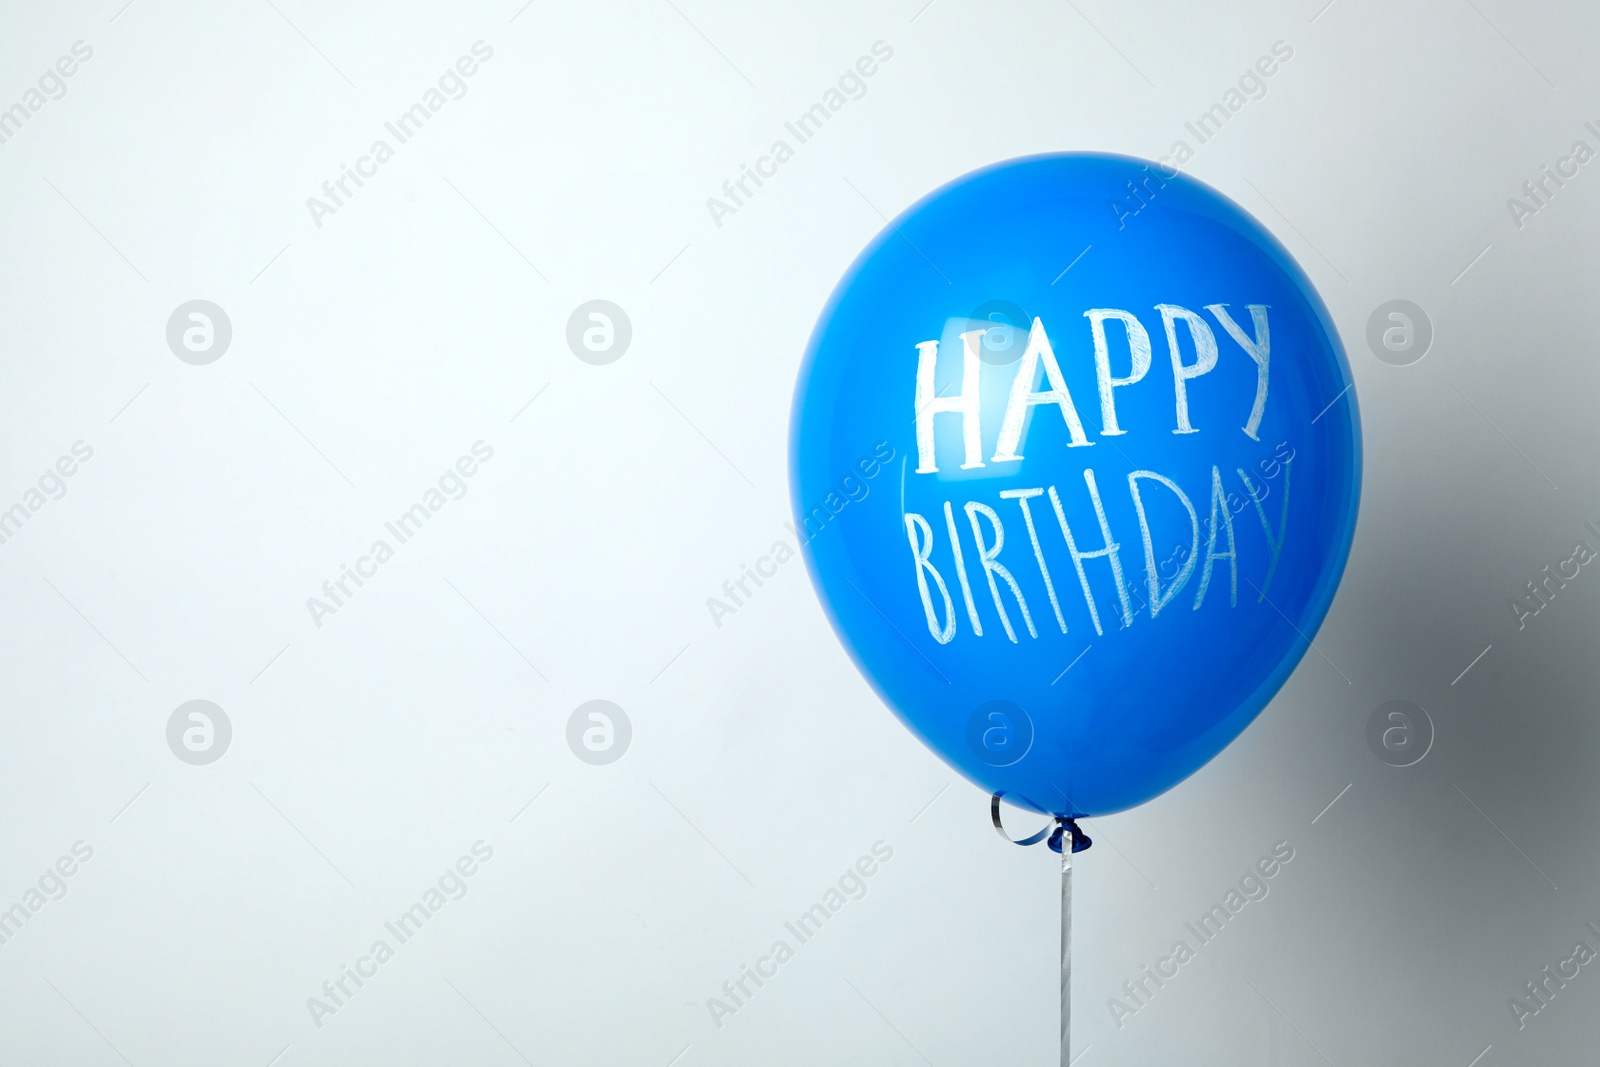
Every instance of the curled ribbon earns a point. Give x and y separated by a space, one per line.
1080 840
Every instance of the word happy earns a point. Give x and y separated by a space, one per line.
1024 395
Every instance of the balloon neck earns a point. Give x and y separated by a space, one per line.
1080 840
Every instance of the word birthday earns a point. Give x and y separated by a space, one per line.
1255 491
1024 395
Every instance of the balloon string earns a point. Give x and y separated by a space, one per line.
1080 840
1068 830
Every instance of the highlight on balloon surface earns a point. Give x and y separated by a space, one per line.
1116 464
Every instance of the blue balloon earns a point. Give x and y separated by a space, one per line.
1076 460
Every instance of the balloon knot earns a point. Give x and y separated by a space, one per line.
1080 840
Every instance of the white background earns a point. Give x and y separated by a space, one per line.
372 351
